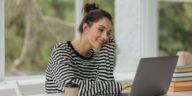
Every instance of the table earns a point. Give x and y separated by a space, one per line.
169 94
179 93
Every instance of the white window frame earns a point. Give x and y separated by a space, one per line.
2 41
175 0
78 16
149 27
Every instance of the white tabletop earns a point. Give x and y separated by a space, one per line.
180 93
55 94
169 94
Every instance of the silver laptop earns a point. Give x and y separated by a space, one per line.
153 76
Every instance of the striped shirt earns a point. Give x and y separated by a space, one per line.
93 75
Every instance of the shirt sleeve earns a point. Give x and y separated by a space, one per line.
62 74
108 53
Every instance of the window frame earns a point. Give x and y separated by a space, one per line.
149 27
2 41
175 0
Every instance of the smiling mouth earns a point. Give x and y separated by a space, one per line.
101 43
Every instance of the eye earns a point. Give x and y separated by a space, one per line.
109 34
101 30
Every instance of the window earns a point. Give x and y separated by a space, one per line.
171 20
32 28
175 27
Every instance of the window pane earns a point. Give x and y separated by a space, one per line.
32 29
175 27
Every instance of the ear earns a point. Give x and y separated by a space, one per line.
85 26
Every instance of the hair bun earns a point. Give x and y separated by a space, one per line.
89 7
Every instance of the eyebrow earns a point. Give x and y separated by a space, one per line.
104 27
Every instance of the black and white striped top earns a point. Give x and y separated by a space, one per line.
94 75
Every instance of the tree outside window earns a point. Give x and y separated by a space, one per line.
32 27
175 27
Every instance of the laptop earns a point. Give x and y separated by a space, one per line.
153 76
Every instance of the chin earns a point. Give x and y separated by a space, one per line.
97 47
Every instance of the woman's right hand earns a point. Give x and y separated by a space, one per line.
125 85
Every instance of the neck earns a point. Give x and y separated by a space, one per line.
82 47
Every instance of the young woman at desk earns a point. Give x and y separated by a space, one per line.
76 62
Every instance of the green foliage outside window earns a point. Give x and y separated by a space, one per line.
175 27
32 27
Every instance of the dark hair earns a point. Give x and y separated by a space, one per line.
92 14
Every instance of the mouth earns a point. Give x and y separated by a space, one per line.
100 43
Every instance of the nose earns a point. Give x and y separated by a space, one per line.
105 37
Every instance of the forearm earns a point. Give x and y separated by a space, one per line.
89 88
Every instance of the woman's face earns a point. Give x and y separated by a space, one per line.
99 33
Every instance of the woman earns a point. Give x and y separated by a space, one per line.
76 62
